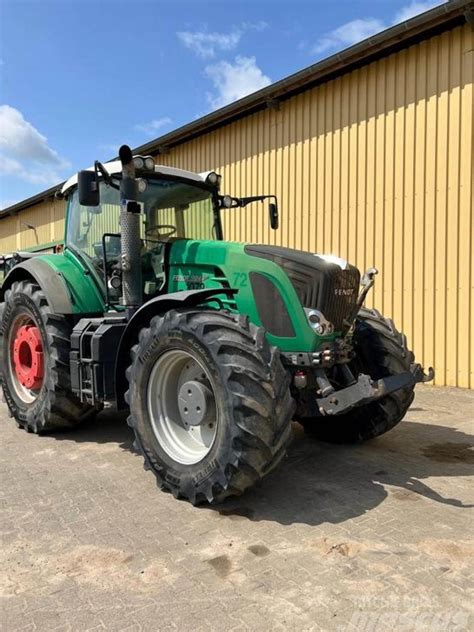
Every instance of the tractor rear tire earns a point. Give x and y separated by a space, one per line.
247 424
50 405
381 351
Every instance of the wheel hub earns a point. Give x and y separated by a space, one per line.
182 407
195 403
28 360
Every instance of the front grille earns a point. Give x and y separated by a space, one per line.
341 296
319 284
333 293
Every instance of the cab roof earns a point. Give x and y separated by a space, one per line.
115 168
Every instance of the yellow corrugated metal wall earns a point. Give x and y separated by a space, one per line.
47 218
375 166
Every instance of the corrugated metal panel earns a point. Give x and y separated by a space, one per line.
47 218
375 166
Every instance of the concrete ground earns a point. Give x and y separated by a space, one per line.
373 537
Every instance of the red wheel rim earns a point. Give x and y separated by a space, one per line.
27 356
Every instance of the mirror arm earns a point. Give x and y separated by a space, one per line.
254 198
100 169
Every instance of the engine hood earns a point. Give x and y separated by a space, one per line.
322 282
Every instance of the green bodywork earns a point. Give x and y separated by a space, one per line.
214 264
83 289
195 265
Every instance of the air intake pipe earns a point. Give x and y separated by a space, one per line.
132 292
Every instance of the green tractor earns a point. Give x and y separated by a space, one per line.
214 347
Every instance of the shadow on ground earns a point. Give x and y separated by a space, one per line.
108 427
311 485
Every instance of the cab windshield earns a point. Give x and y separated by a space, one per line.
170 209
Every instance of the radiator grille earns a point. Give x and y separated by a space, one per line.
319 284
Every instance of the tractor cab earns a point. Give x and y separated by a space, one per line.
172 204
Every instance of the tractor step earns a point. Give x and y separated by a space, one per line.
94 344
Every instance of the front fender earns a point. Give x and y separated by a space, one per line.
141 318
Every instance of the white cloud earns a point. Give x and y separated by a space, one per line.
152 127
25 153
44 175
18 137
358 30
9 166
412 9
348 34
259 26
233 81
206 44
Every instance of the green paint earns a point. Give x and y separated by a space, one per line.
210 264
240 279
85 295
195 265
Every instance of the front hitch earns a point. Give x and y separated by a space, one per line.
366 390
419 373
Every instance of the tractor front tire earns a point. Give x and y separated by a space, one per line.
45 402
381 351
209 403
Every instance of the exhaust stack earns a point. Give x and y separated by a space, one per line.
132 296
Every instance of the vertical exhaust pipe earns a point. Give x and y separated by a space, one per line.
132 294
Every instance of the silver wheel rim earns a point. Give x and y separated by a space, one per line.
26 395
182 406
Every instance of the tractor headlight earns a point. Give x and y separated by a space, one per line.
139 162
149 163
142 185
115 282
226 201
318 322
213 178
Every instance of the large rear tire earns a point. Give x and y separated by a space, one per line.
209 403
45 403
381 351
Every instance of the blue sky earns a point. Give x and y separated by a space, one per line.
80 77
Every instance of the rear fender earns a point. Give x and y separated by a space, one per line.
142 317
66 284
47 278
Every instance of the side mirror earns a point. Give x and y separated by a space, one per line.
88 187
273 214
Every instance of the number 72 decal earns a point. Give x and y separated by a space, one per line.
240 279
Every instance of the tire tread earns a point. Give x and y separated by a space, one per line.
62 409
258 388
383 351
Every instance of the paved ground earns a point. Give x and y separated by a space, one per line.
369 538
